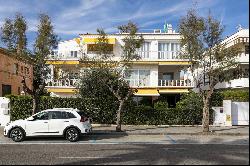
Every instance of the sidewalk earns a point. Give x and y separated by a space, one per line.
174 130
160 130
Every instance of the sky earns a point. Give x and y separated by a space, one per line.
73 17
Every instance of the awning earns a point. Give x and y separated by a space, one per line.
174 90
147 92
62 90
62 62
95 40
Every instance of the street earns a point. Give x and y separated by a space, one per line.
124 154
128 149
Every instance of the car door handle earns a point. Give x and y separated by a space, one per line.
45 122
66 121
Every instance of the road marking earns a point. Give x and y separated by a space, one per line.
117 143
174 149
171 139
89 157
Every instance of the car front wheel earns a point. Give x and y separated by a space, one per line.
72 134
17 135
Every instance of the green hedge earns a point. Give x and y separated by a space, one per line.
21 107
240 95
105 112
146 115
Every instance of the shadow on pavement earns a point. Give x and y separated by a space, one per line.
84 137
180 154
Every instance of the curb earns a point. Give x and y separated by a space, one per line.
114 125
124 133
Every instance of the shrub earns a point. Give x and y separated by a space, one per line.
188 111
240 95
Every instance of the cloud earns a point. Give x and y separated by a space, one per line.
81 16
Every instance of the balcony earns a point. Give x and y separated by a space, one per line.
175 83
70 83
161 83
138 83
243 58
235 83
159 55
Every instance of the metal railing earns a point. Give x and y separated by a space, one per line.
168 54
173 83
136 82
63 82
163 55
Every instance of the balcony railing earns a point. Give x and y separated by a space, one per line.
161 83
63 83
162 55
174 83
136 82
168 54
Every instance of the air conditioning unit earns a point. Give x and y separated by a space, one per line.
157 31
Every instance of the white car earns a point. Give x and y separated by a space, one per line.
67 122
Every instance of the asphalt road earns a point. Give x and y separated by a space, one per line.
121 154
128 149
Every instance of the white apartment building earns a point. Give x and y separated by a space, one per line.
159 71
241 39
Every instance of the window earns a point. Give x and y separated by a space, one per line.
73 53
139 77
168 50
168 76
21 69
15 69
143 51
6 90
247 49
26 70
55 115
41 116
70 115
94 48
54 52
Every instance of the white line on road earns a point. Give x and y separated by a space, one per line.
116 143
89 157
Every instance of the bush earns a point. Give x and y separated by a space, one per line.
188 111
21 107
240 95
161 104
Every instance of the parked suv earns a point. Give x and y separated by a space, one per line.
67 122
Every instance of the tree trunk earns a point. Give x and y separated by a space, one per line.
118 122
205 119
34 109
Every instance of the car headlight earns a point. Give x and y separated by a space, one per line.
7 124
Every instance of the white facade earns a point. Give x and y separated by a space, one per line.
159 70
4 111
241 40
232 113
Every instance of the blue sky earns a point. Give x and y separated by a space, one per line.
73 17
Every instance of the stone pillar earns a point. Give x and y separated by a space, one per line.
227 104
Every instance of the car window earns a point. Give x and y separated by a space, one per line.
55 115
81 113
65 115
41 116
70 115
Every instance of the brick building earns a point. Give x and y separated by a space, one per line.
12 71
